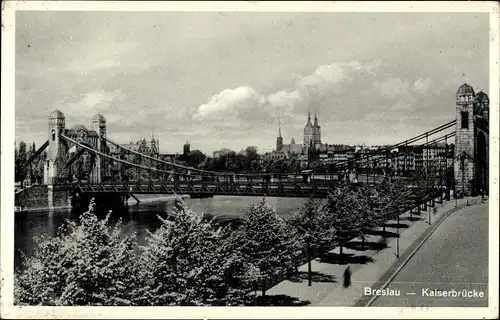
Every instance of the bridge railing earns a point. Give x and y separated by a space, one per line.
209 188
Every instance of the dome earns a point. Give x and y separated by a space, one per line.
99 117
482 98
465 90
56 115
79 127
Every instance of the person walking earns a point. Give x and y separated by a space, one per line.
347 277
383 244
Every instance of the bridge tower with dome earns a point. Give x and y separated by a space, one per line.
53 166
471 160
56 169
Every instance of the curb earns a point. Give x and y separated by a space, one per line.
430 232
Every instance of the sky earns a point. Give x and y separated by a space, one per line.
225 79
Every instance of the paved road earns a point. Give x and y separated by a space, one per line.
454 257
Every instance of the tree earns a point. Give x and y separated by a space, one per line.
345 212
396 197
251 158
16 164
251 152
38 167
194 158
186 262
375 213
88 264
265 241
254 165
308 229
21 159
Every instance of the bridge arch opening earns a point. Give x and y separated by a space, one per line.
465 120
482 161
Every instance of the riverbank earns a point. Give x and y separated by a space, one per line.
155 198
40 209
142 199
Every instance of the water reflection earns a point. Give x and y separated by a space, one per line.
138 218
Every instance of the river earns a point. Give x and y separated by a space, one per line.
138 218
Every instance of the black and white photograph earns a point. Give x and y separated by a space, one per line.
251 155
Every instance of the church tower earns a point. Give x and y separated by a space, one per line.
464 139
187 149
316 131
154 146
279 140
308 131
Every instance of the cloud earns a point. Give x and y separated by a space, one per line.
382 99
245 107
392 87
422 85
330 80
285 101
234 108
101 56
93 102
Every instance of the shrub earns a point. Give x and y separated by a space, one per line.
86 264
187 262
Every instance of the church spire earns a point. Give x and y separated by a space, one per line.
309 118
279 139
315 119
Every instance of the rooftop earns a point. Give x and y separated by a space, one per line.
56 115
465 90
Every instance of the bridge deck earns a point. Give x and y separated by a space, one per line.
281 189
318 188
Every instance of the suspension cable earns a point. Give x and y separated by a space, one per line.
432 142
380 151
181 166
384 150
110 157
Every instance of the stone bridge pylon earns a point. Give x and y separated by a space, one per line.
57 165
471 141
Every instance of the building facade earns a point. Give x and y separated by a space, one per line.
284 151
148 147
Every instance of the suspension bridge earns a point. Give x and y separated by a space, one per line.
454 155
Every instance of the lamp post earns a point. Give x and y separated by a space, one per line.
397 238
430 208
462 167
309 255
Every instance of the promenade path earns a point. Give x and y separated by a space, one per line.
370 267
455 257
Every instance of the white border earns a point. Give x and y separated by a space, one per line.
7 174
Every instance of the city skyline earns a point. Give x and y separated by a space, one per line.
221 80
